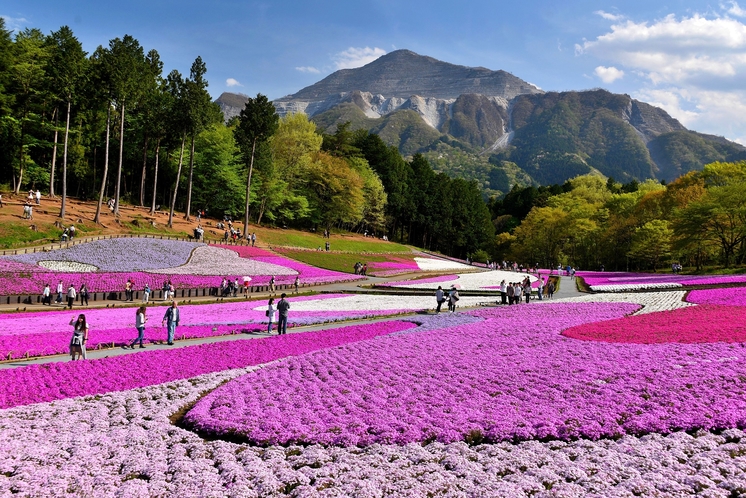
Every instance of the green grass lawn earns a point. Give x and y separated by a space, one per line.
342 262
290 238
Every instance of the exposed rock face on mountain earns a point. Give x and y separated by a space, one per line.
420 104
231 104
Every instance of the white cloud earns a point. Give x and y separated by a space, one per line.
14 23
232 82
608 74
356 57
307 69
734 9
693 67
608 16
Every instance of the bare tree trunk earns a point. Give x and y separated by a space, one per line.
119 170
20 163
155 174
64 163
144 167
54 154
176 186
248 192
97 218
189 183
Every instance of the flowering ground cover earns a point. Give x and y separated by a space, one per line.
510 377
122 254
46 382
695 324
651 302
124 444
483 280
47 333
622 282
121 259
731 296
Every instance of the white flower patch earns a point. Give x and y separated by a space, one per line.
208 260
652 302
68 266
483 280
432 264
369 302
631 287
123 444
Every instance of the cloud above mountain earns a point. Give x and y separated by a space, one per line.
356 57
694 67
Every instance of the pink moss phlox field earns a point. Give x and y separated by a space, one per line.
25 278
695 324
627 278
730 296
430 280
37 383
512 376
48 333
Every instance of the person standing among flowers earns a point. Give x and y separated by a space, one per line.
146 294
296 283
282 315
453 298
140 320
171 320
79 338
270 313
59 292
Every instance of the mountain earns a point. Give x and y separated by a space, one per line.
495 128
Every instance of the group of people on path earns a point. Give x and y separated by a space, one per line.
282 314
70 295
452 298
360 268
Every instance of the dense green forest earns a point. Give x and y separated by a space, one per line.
699 219
113 125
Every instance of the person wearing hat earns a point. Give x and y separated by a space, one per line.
453 298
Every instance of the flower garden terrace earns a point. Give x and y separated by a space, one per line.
556 398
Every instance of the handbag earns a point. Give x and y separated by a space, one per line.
266 312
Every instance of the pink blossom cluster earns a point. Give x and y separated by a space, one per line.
729 296
694 324
25 278
45 382
48 333
511 377
629 278
125 444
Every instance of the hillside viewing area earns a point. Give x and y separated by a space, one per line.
410 279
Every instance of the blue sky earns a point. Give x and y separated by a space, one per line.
685 56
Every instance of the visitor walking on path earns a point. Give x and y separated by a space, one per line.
282 315
146 294
83 293
296 283
46 295
453 298
272 284
71 295
140 320
79 338
439 298
171 321
270 314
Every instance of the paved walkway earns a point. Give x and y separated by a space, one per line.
567 288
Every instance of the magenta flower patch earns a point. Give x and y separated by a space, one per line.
47 382
695 324
731 296
511 377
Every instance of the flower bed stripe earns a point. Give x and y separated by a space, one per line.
47 382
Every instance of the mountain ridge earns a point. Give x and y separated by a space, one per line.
503 122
